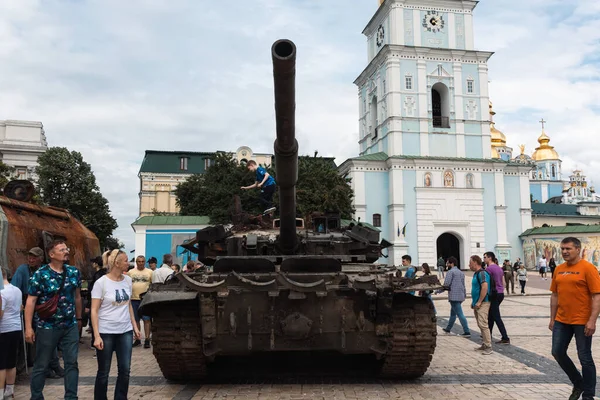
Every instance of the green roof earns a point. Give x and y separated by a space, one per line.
554 209
168 162
382 156
562 230
172 220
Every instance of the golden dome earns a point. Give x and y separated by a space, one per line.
498 138
495 152
544 151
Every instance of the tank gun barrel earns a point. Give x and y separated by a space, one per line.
286 147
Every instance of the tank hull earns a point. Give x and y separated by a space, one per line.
225 315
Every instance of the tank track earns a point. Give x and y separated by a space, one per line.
177 342
413 340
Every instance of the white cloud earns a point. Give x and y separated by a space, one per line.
112 79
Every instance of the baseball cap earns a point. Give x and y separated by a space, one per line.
36 251
97 260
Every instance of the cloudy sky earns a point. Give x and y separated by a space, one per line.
112 78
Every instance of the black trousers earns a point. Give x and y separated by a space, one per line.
523 283
495 317
266 196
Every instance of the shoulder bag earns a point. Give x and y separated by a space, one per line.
48 309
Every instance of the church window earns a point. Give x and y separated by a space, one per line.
553 171
183 163
384 87
408 83
374 119
470 86
448 179
377 220
440 104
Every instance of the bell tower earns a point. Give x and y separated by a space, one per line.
424 91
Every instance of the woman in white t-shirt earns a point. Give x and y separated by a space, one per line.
10 334
114 324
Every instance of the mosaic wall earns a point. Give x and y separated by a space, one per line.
550 247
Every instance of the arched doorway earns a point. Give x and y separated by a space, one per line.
440 105
448 245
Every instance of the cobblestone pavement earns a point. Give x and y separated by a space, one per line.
523 370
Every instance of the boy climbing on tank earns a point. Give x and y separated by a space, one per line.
267 186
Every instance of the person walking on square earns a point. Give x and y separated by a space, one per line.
522 276
54 287
489 258
552 267
574 309
114 324
480 302
11 300
457 293
441 266
161 274
542 264
509 276
20 279
266 183
141 278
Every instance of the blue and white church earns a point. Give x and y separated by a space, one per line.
428 174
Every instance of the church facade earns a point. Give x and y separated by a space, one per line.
428 173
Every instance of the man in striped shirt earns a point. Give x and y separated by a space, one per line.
457 293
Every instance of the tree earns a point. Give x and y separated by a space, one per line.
112 243
319 188
212 193
5 174
66 181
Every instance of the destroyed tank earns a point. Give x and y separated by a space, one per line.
290 285
24 225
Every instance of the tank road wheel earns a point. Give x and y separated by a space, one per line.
177 342
412 344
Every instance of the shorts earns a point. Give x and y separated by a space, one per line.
542 270
135 304
9 346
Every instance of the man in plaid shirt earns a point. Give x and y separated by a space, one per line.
457 293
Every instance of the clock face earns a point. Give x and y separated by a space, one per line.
433 21
380 35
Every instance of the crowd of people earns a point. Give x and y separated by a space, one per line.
44 304
574 305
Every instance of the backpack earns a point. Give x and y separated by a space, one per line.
492 291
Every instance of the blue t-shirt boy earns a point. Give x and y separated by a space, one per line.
260 175
476 283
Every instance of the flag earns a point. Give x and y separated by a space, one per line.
404 229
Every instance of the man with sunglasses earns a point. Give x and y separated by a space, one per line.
61 326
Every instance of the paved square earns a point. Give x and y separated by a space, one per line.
523 370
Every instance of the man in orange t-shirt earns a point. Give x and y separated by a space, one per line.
575 305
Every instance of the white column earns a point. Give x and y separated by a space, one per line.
544 192
526 222
417 27
469 37
140 241
459 108
397 25
500 209
451 30
358 186
423 91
